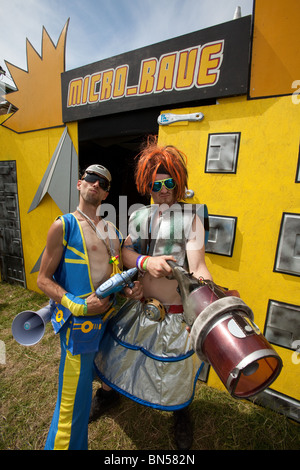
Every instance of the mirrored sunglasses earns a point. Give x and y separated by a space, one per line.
92 178
169 183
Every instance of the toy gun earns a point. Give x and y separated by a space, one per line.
28 327
116 283
223 335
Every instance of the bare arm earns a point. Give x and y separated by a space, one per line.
196 251
50 261
157 266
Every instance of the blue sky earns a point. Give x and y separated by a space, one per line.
103 28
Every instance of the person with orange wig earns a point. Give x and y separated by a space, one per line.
169 160
146 354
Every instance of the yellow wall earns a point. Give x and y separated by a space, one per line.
260 191
32 152
276 48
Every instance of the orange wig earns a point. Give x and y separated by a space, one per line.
154 159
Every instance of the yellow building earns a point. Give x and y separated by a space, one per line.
232 92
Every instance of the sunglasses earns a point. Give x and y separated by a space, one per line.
169 183
92 178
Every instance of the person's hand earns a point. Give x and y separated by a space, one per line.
158 267
96 306
135 292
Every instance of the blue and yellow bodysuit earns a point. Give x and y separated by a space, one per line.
79 337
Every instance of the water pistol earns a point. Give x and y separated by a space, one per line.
116 283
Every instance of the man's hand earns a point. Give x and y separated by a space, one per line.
96 306
136 292
158 267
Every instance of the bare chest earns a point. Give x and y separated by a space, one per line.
98 252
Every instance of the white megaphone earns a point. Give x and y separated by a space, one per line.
28 327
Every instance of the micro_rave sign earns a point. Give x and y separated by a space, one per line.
210 63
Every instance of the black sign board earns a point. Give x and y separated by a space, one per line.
210 63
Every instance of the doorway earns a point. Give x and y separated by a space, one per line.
118 156
114 141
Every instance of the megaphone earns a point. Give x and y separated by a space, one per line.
28 327
224 335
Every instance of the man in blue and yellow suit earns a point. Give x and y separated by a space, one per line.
80 254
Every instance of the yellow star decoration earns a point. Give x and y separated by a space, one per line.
38 95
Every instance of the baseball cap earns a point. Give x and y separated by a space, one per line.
99 170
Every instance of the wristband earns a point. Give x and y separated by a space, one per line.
76 305
141 262
137 261
144 263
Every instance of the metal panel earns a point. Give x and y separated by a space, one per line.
60 178
11 251
283 324
59 181
288 248
278 402
221 235
297 180
222 153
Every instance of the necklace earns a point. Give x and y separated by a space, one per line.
91 223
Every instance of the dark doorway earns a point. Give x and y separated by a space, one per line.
114 141
118 156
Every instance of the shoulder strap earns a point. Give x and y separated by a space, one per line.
66 222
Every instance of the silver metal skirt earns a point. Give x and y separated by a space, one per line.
150 362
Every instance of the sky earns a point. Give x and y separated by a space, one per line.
99 29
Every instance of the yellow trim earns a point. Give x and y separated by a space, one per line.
64 229
70 383
111 310
76 309
75 261
84 296
86 326
78 253
86 255
68 336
